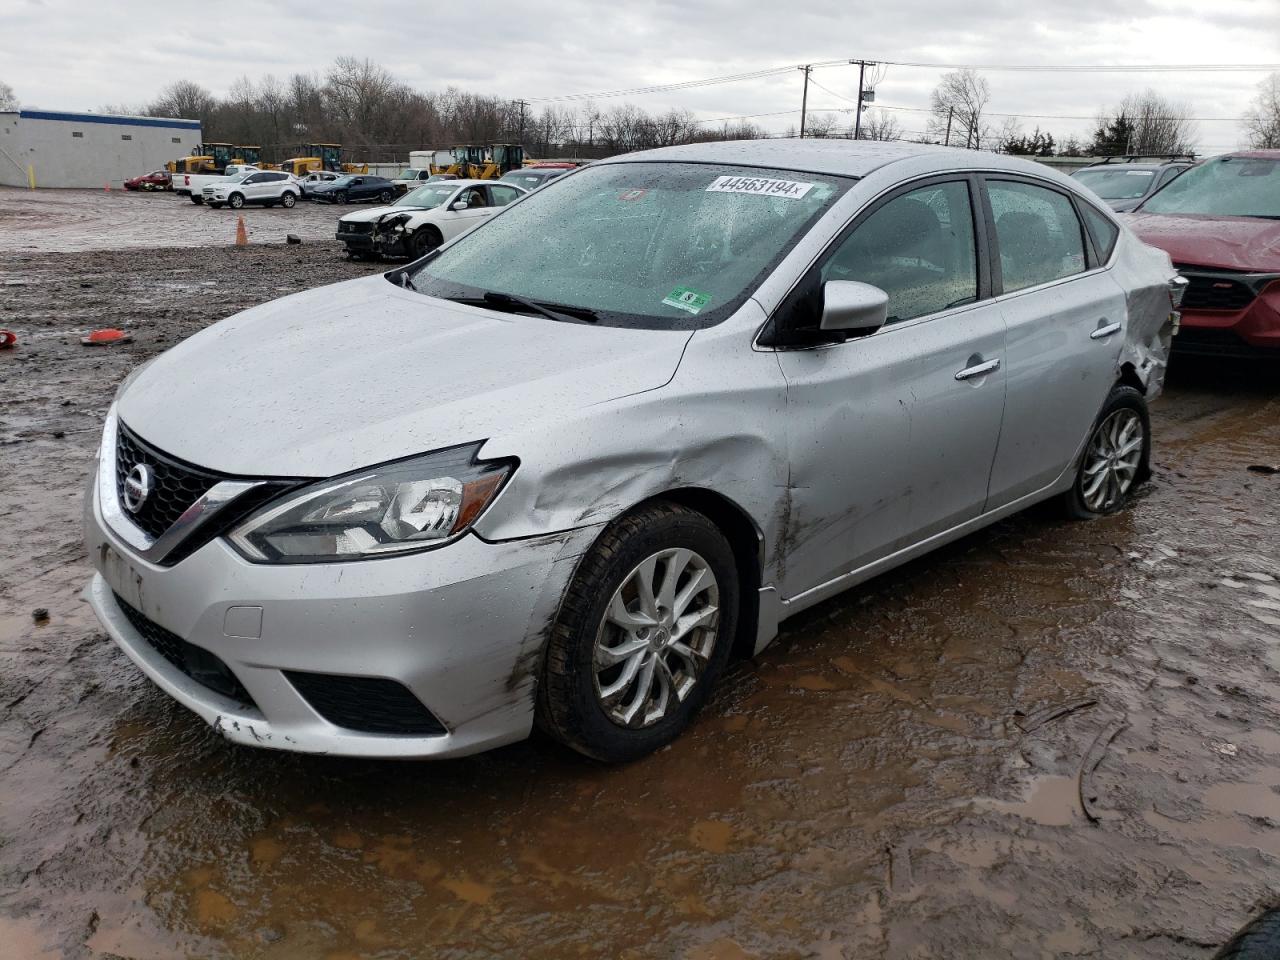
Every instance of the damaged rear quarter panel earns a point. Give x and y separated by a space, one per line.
1144 272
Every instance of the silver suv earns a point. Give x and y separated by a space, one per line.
563 467
1124 182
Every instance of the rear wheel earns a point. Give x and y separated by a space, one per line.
643 634
236 200
1116 456
289 199
342 197
385 196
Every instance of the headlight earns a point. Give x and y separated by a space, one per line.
396 508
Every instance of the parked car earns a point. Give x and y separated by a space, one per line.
266 187
314 179
155 180
425 218
1124 182
409 179
1220 222
564 466
531 178
354 188
192 184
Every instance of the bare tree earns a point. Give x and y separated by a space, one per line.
1147 124
186 100
1262 119
958 101
880 125
8 99
822 125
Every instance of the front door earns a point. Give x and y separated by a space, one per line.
892 435
458 219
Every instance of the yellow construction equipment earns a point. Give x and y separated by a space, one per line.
206 158
321 156
487 161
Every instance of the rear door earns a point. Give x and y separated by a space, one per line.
1066 317
892 435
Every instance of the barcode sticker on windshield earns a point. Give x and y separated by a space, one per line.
791 189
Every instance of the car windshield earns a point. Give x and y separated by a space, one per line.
658 245
339 180
1117 183
426 198
528 180
1229 186
408 175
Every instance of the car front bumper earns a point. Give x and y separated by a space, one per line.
1232 329
461 628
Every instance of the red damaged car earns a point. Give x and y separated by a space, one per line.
1220 222
155 180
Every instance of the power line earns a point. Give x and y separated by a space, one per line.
1041 116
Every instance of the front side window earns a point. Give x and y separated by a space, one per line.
1037 232
1231 186
647 244
918 248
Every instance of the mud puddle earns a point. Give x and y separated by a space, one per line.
899 776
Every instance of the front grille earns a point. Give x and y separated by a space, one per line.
366 704
177 485
355 227
196 662
1208 292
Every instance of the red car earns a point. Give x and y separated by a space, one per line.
155 180
1220 222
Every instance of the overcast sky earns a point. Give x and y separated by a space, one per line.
82 54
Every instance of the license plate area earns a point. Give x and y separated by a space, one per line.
121 576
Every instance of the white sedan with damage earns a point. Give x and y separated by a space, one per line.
561 469
424 218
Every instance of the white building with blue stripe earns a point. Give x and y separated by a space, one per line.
54 148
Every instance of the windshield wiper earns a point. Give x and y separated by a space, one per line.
552 311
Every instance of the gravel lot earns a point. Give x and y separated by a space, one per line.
900 776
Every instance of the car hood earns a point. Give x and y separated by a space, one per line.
1225 243
361 372
373 213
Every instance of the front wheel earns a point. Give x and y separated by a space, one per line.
289 199
1116 457
385 196
236 201
423 240
343 198
643 634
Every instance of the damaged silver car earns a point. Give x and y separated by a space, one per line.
575 460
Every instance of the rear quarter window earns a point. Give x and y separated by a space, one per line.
1102 231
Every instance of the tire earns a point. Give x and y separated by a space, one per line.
236 201
288 199
1124 411
423 241
1257 940
215 206
342 197
194 199
586 705
385 197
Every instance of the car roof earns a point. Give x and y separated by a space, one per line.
848 158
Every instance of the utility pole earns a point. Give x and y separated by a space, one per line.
522 104
857 116
951 112
804 97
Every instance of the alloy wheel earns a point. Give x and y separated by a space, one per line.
1111 460
657 636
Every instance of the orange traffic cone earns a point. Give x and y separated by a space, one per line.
242 235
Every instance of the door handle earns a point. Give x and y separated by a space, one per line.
979 369
1105 331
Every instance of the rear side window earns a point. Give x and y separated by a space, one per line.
918 248
1102 230
1039 235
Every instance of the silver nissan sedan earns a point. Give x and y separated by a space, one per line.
560 470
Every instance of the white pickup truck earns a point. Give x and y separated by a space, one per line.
192 184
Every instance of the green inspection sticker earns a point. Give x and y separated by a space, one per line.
682 298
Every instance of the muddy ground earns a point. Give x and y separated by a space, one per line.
888 780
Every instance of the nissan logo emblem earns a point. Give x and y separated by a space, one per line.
137 487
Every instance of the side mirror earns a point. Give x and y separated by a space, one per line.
459 205
853 307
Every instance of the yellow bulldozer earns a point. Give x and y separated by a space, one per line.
487 161
321 156
207 158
